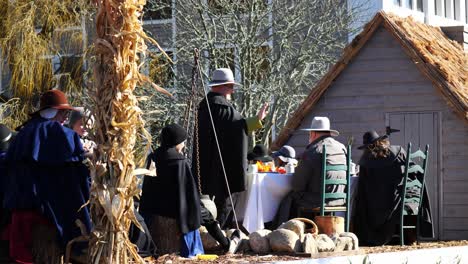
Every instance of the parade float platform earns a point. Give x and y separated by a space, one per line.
442 252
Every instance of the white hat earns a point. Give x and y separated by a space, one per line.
321 124
222 76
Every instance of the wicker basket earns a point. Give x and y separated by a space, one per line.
310 227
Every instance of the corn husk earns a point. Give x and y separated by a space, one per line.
120 43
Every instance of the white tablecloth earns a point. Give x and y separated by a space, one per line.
263 197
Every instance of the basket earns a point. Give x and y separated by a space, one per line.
310 227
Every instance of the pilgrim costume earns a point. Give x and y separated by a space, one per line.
306 181
232 131
6 136
285 155
76 116
378 199
46 183
170 201
259 153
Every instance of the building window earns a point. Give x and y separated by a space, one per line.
256 72
449 6
222 58
455 8
260 65
161 71
397 2
157 10
408 4
419 5
68 71
439 8
222 7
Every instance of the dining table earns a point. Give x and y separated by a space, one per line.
259 204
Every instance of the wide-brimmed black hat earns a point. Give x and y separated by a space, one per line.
260 153
369 138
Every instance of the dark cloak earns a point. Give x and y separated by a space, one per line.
45 173
4 215
142 238
231 129
378 201
173 192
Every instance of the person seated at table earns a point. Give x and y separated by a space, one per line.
306 181
376 212
259 156
284 156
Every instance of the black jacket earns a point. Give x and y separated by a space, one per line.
231 129
378 201
173 192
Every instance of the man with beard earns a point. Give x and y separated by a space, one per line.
232 131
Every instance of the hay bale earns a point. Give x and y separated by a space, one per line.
294 225
343 244
310 245
284 240
209 243
45 247
230 231
324 243
354 239
244 246
166 234
259 242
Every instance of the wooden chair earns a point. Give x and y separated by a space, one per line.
412 167
324 195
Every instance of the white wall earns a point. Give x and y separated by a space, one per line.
456 11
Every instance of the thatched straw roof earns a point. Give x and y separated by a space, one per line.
441 60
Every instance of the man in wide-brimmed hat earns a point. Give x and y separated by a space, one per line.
378 198
306 181
47 182
259 153
232 130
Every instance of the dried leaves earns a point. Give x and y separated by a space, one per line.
120 42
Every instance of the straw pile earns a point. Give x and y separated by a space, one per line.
119 43
29 34
446 55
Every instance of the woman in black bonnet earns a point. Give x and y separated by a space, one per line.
170 202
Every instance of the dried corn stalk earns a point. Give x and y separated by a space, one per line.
119 44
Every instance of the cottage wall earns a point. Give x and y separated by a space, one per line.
381 80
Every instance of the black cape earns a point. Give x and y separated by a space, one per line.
231 129
378 203
142 239
4 214
173 192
